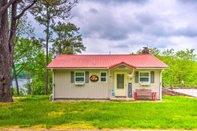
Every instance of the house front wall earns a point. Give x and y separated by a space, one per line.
156 86
64 88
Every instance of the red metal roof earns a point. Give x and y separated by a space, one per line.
106 61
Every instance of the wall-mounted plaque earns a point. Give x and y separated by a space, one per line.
94 78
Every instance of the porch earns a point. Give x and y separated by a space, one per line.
121 99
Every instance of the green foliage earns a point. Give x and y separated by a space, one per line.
23 46
154 51
25 52
29 57
14 92
45 12
38 81
182 66
69 41
22 91
38 112
28 85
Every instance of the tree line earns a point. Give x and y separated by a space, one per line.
182 66
29 56
12 24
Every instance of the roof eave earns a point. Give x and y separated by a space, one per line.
77 68
152 67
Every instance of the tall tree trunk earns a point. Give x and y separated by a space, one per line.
7 45
5 57
47 42
16 80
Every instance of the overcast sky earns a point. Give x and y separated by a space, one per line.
125 26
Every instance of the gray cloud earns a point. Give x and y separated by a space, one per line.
92 10
125 26
159 31
188 1
122 45
189 31
170 31
110 28
145 18
107 25
150 41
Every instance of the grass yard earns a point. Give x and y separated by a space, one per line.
173 113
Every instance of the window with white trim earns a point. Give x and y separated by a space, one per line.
103 77
79 77
144 77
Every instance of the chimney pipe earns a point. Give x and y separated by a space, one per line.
145 50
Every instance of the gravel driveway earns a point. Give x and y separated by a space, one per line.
192 92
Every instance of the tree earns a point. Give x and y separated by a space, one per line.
154 51
26 51
30 58
38 81
7 35
182 66
24 29
167 56
45 12
68 40
185 66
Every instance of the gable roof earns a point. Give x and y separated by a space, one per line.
106 61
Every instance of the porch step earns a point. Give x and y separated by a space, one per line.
120 96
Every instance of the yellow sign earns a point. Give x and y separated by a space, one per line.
94 78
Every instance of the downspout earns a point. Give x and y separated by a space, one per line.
53 84
160 85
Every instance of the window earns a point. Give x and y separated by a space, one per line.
79 77
144 77
103 77
120 81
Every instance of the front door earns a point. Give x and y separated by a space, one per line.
120 83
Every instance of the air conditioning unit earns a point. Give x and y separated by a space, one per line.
144 83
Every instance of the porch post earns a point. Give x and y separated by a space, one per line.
160 85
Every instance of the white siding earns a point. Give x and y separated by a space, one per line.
155 87
65 89
99 90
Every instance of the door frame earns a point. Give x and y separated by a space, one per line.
120 92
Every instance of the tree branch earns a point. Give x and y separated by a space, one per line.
6 6
17 72
18 16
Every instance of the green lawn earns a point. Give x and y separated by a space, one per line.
173 113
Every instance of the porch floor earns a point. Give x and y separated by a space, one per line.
121 99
